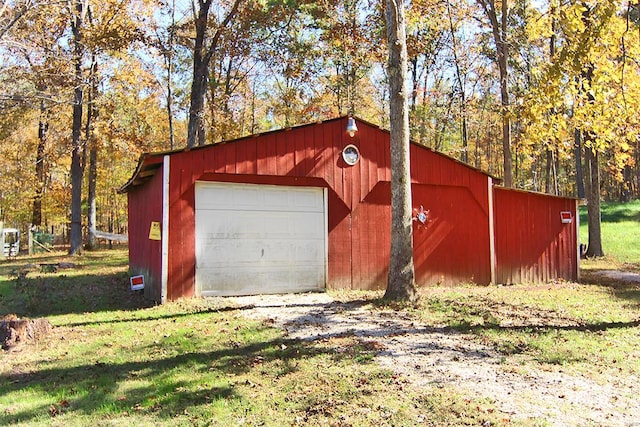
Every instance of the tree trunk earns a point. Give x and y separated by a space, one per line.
202 55
196 127
499 29
465 133
552 54
414 83
625 185
169 64
577 150
593 205
547 170
461 87
172 138
635 188
43 127
556 168
592 157
75 231
92 113
503 61
91 196
401 278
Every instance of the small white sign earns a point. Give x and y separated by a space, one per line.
137 283
566 217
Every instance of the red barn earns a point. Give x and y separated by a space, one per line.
308 208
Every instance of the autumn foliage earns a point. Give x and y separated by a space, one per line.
572 81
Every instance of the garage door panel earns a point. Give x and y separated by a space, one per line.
242 225
308 225
222 253
267 282
308 253
249 225
269 279
259 239
267 198
306 200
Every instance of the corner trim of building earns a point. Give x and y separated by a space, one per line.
165 229
577 225
325 197
492 234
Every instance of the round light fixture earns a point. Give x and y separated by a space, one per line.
350 154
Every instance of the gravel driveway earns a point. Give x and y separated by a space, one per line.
428 356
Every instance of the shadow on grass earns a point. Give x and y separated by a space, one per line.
624 288
156 387
45 295
37 285
586 327
9 266
521 318
89 260
503 316
513 317
173 316
195 312
615 212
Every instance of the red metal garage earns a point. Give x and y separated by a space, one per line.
309 207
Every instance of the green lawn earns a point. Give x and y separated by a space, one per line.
620 230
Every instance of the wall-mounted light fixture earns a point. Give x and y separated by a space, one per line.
351 127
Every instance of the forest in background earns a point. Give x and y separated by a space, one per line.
545 93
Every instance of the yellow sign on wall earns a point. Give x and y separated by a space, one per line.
154 231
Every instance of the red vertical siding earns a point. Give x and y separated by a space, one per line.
181 265
216 160
453 246
299 155
271 155
231 159
281 153
242 160
145 255
532 244
371 239
262 154
339 243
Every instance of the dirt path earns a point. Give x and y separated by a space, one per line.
429 356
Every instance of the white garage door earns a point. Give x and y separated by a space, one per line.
259 239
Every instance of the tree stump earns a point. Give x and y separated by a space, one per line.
15 332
